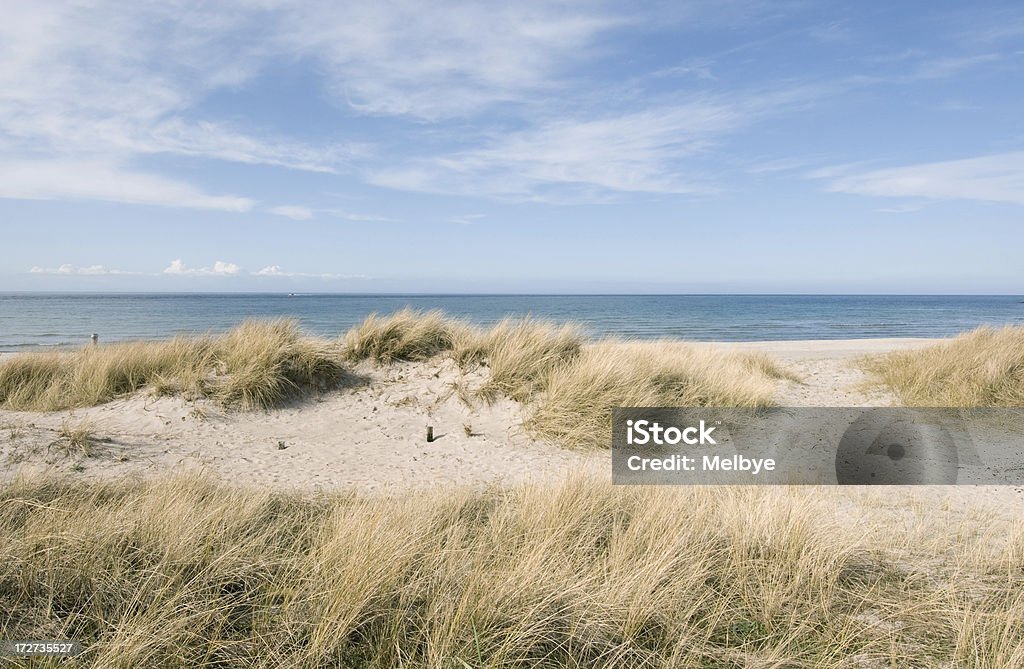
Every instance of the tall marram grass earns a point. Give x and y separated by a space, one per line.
257 364
981 368
520 354
570 386
575 401
183 573
404 335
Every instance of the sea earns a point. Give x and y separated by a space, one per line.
38 321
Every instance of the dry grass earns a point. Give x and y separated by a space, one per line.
182 573
982 368
76 437
258 364
571 386
520 354
404 335
575 401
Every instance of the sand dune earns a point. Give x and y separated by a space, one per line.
929 553
373 437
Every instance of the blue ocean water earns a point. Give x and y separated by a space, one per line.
31 321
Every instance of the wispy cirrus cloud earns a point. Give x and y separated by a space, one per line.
69 179
594 157
294 212
992 178
95 86
207 139
633 152
510 102
104 83
303 213
360 217
452 60
465 219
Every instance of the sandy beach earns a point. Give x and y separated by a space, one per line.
373 437
830 379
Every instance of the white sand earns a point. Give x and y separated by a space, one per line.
830 376
373 438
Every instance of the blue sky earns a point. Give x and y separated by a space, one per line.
733 146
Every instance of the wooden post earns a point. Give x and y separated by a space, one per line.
430 433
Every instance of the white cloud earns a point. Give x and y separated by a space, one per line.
444 59
88 270
95 180
994 178
104 78
358 217
301 213
296 213
220 268
465 219
944 68
177 267
98 84
632 152
907 208
102 82
913 66
277 271
213 140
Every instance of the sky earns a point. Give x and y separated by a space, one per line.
679 147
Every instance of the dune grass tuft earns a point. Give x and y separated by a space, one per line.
575 402
404 335
263 363
981 368
520 354
76 438
184 573
258 364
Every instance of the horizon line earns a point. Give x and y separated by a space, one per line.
86 293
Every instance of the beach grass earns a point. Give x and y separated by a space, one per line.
981 368
519 354
568 384
182 572
76 437
573 403
407 334
258 364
